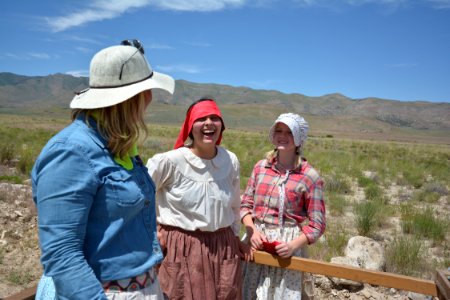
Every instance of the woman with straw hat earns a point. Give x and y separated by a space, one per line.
95 199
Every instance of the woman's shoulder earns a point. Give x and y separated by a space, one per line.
230 154
309 171
172 156
77 136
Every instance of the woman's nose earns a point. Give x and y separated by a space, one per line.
208 121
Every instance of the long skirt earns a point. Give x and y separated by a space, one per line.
272 283
200 265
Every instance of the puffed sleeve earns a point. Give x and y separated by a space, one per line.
160 169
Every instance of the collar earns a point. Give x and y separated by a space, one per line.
271 164
126 162
217 162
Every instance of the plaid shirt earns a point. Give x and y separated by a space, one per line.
303 198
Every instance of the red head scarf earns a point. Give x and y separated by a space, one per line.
197 111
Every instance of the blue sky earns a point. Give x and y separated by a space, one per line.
391 49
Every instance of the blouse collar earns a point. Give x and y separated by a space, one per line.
218 161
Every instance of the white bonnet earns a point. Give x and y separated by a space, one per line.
297 125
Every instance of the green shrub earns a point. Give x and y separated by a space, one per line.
331 244
19 277
7 152
426 197
11 179
405 256
373 192
26 161
414 177
336 184
364 181
366 215
424 224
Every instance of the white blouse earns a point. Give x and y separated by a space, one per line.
194 193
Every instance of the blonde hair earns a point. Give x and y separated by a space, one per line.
271 155
121 124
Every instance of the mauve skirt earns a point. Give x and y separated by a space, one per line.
200 264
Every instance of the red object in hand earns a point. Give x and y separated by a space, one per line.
270 247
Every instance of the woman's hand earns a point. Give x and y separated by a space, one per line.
161 239
285 249
256 240
245 252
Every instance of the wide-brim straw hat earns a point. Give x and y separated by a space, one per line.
118 73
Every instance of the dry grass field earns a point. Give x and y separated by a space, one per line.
389 184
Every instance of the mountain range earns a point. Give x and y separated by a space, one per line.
244 106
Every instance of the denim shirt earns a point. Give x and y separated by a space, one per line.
97 220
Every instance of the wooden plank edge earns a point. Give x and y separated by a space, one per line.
443 284
401 282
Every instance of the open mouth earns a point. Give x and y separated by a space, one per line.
208 132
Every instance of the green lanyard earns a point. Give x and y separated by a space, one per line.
125 161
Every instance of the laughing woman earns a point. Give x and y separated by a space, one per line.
197 197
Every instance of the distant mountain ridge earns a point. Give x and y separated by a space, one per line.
57 90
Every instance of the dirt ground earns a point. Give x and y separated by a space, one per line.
19 251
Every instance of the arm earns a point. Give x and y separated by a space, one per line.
236 201
315 205
159 170
255 237
65 189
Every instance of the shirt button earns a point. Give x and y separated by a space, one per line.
147 202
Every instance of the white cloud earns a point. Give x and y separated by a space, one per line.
83 39
78 73
392 4
13 56
109 9
440 4
83 49
39 55
264 84
27 56
99 10
198 5
191 69
158 46
199 44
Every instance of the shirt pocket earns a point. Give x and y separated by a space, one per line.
123 189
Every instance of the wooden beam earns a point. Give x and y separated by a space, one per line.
443 284
27 294
421 286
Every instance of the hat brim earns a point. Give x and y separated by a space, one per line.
103 97
289 123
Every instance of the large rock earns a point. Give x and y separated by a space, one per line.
342 260
367 252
